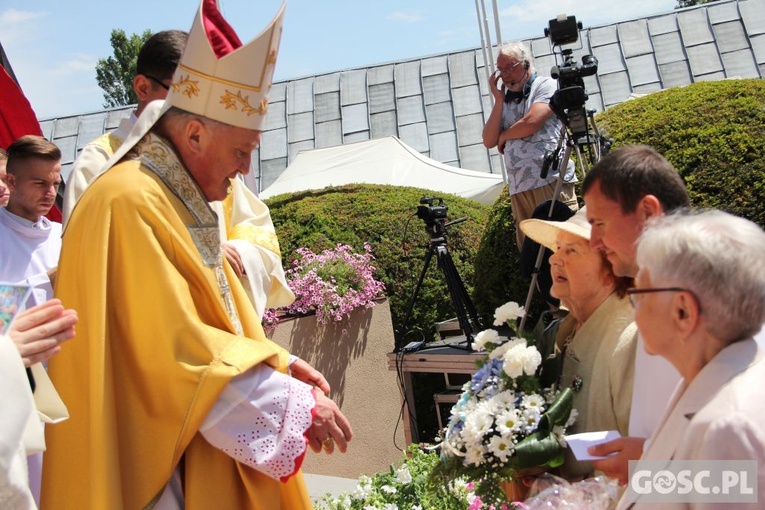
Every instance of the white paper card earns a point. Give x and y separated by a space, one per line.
580 442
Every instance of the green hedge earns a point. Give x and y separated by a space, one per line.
712 132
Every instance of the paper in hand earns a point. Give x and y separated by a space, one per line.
580 442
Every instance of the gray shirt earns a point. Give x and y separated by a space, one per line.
524 157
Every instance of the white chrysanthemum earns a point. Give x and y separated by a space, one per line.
500 351
513 366
477 425
508 312
504 399
390 506
388 489
531 360
475 454
487 336
501 447
403 475
533 401
509 422
530 417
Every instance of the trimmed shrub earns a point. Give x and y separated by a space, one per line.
712 132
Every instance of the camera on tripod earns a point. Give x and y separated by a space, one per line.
433 213
568 101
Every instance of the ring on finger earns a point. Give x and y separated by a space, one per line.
328 443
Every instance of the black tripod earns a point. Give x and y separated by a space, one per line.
579 139
466 313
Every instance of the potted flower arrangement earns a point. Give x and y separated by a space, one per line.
331 284
505 425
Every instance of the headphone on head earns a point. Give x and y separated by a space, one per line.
520 96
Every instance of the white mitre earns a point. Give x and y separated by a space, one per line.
221 79
218 77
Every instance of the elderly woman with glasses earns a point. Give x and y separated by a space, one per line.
597 338
699 298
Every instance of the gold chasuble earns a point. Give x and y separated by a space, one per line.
161 333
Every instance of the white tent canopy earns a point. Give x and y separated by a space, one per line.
382 161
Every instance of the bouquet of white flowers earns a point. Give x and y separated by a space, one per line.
504 423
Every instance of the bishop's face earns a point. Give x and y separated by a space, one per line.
228 152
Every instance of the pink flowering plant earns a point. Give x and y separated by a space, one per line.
331 284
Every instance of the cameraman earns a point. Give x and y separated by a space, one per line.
522 127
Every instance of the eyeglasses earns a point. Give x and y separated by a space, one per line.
158 81
508 69
648 290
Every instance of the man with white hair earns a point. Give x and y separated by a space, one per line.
248 237
523 128
177 398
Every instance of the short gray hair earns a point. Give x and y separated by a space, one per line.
717 256
518 51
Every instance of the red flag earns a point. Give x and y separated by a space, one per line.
17 118
16 115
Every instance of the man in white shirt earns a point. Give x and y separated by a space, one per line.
623 191
31 242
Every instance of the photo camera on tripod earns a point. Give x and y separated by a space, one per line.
569 100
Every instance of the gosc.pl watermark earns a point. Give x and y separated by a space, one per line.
693 481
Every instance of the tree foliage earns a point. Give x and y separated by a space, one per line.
691 3
114 74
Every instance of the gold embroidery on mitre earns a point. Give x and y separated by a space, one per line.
231 101
190 87
272 57
222 81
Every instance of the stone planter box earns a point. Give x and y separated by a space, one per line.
356 367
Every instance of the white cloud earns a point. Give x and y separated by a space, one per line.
18 27
406 17
77 63
594 12
13 16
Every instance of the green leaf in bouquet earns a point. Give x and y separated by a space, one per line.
542 447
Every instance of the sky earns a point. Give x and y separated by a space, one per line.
53 45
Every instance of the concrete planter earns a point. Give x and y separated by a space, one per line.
356 366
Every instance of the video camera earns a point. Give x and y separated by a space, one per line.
433 213
569 100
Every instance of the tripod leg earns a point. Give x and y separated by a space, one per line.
540 253
408 314
459 294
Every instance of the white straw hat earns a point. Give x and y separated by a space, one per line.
545 232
